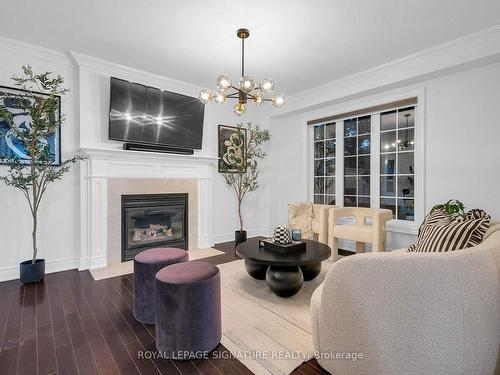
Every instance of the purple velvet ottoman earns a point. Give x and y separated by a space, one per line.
146 265
188 310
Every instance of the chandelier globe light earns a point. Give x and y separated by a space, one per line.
224 82
247 88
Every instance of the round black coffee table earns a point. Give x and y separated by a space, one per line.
284 273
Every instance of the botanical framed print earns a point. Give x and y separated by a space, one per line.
10 146
231 148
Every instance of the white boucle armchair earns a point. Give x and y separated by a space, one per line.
412 313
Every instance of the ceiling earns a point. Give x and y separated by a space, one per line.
299 44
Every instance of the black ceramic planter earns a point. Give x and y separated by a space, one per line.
32 273
240 236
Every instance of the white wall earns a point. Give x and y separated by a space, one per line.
86 108
256 204
462 153
59 218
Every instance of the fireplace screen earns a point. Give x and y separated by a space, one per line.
153 220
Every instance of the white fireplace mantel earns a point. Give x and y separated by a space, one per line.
103 164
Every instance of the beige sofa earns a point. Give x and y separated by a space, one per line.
411 313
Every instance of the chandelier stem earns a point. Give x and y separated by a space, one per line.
242 57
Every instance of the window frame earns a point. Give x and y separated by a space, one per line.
324 158
357 156
394 225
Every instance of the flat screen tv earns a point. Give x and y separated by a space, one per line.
149 116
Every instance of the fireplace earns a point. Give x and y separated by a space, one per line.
153 220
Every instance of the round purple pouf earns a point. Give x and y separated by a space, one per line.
146 265
188 310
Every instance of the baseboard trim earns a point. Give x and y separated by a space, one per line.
92 262
12 272
205 243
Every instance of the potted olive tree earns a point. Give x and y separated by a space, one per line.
38 100
241 166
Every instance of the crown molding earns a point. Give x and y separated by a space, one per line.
472 50
8 45
133 74
81 60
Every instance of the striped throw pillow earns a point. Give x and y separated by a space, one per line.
442 233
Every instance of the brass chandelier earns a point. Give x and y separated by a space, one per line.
247 90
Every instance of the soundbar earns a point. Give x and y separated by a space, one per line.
156 148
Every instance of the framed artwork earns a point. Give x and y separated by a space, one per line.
10 146
231 148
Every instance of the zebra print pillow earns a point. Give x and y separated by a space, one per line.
438 217
441 233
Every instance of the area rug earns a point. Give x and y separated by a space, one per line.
268 334
128 267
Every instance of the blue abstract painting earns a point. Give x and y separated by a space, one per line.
10 146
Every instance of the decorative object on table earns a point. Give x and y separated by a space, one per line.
444 232
11 146
247 88
39 102
301 216
282 235
231 148
296 235
243 177
271 244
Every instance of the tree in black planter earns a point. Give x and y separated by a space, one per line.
240 168
39 101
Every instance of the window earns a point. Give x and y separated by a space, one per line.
397 162
324 163
376 165
357 149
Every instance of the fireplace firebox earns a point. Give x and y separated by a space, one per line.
153 220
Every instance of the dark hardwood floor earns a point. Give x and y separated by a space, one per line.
71 324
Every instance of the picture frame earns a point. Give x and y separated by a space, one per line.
9 147
227 149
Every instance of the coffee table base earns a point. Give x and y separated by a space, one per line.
256 270
310 271
284 281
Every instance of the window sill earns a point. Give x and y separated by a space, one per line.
401 226
394 226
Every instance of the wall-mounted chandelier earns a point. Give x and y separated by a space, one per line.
247 90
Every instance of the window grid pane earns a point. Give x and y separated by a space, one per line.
397 162
324 163
357 149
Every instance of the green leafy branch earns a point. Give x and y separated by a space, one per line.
39 98
242 176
